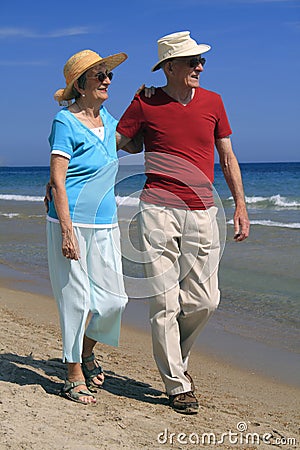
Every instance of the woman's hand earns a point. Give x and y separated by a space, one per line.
70 248
149 91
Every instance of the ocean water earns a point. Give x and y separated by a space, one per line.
259 278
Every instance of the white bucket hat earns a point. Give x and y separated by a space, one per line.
178 44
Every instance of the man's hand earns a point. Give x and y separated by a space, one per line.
47 197
241 224
233 177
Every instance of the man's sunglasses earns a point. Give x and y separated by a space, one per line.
101 76
195 61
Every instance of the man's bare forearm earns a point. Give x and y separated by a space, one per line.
233 177
231 170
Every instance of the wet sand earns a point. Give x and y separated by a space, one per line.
238 408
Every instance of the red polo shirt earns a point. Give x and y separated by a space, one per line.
179 146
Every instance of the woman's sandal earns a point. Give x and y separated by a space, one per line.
69 392
90 374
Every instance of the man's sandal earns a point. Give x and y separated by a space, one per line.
90 374
69 392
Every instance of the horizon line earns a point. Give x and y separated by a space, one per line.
216 164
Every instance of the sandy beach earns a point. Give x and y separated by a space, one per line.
239 409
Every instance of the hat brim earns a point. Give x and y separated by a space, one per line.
195 51
111 62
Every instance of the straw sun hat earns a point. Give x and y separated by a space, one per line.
78 64
178 44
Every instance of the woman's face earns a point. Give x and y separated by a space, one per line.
97 83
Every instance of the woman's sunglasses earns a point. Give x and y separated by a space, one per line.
101 76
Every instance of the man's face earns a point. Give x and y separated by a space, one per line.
186 70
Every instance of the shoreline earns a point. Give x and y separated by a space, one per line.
244 353
132 410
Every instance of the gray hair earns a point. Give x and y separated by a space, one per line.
81 83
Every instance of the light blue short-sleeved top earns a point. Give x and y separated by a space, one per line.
93 165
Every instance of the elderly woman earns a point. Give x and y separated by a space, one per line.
82 229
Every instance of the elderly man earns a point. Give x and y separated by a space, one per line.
181 124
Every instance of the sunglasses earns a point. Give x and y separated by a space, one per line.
195 61
101 76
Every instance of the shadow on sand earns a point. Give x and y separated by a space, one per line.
25 370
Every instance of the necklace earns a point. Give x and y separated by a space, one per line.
85 115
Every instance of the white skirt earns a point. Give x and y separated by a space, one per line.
91 287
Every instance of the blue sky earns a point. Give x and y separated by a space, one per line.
254 64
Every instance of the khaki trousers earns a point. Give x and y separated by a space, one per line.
181 256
